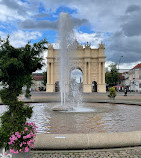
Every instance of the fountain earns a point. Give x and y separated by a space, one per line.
67 47
86 127
66 40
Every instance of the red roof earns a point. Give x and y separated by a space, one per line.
38 78
121 77
137 66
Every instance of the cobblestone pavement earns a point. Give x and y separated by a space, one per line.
134 152
94 96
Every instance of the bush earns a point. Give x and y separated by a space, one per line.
22 141
16 67
112 93
13 120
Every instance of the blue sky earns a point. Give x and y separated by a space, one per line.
115 22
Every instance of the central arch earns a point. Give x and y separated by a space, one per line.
76 78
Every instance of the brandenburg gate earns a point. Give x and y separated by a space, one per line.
90 61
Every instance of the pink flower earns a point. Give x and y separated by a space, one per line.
34 135
26 129
14 137
32 145
11 141
5 153
12 151
21 144
17 133
24 137
26 149
19 136
29 143
28 136
16 152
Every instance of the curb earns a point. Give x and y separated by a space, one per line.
87 141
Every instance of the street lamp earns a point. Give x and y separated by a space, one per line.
119 62
118 70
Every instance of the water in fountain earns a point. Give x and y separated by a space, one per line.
66 40
67 54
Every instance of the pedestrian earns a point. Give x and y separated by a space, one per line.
125 92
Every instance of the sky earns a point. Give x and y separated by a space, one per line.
117 23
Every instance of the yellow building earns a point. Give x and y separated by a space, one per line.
90 61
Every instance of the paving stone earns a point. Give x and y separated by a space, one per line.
134 152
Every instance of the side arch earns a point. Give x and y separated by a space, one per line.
94 86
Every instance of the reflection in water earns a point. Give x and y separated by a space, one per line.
102 118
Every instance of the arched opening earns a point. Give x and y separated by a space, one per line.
76 79
57 87
94 86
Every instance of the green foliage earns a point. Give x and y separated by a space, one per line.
112 76
16 67
9 96
17 64
45 78
14 120
28 86
27 94
112 93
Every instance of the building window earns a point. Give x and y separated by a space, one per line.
140 76
140 85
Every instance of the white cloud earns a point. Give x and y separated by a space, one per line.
123 66
13 10
93 38
102 15
20 38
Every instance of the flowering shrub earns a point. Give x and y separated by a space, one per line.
24 140
112 92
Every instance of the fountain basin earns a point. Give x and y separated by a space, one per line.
88 141
91 118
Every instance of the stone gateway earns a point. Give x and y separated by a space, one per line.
90 61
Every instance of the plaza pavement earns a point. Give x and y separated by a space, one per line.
131 98
134 152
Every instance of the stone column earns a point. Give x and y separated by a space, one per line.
52 77
99 72
89 73
85 72
48 73
103 81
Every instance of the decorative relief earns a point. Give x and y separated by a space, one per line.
77 45
102 45
50 46
88 45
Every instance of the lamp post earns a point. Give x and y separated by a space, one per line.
119 62
118 70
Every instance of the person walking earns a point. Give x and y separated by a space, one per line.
125 92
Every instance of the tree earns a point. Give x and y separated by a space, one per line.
45 78
112 76
16 67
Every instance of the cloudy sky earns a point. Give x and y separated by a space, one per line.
115 22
